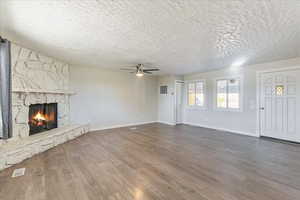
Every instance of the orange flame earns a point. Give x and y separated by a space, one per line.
39 117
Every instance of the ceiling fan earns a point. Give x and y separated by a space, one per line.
140 70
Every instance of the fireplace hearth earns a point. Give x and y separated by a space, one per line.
42 117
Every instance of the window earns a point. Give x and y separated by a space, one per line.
196 93
228 94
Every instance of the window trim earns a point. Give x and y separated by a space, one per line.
196 107
241 99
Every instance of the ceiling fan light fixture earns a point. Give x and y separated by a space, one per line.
139 71
139 74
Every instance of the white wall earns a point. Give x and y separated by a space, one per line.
110 98
166 107
241 122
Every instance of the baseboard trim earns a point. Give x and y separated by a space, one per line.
221 129
173 124
167 123
121 126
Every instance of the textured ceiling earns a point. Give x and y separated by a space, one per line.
178 36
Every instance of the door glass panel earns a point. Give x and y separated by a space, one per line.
279 90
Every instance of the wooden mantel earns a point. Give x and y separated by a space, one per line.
67 92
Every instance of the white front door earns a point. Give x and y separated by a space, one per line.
178 105
280 105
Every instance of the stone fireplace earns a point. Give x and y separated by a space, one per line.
40 106
37 80
23 102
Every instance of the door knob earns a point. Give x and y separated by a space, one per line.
262 108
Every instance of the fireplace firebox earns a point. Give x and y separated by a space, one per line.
42 117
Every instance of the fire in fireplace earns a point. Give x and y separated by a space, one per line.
42 117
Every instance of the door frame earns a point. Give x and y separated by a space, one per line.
175 100
258 92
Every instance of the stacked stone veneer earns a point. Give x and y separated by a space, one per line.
34 71
37 79
13 152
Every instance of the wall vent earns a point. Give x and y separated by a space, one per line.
163 89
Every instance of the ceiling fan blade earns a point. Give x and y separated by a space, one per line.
149 65
127 69
149 70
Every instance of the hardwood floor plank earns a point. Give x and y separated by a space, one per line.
157 161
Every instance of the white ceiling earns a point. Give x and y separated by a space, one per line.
179 36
